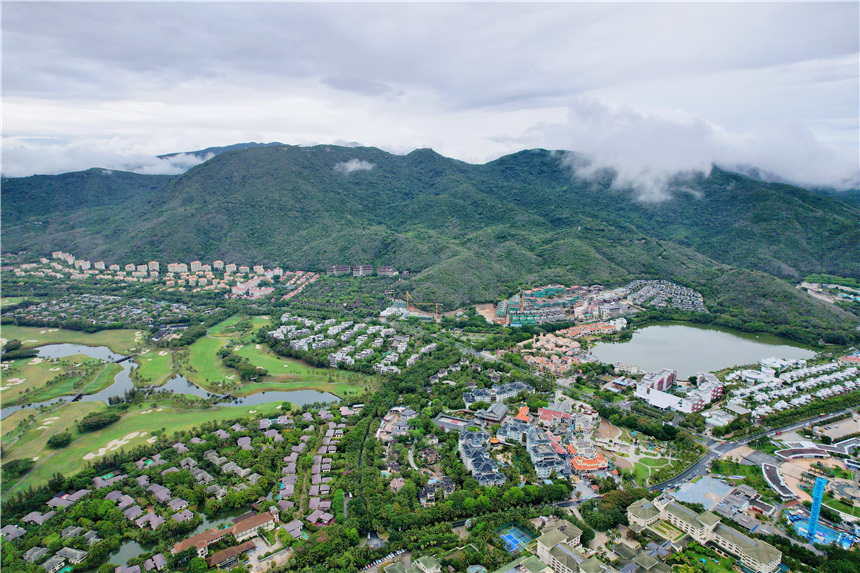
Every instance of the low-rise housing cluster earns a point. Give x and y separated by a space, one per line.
664 294
240 281
770 390
349 342
364 270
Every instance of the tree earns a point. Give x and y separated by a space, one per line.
60 440
197 565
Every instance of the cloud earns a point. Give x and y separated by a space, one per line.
654 151
347 167
467 79
23 158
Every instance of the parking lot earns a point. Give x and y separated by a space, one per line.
404 557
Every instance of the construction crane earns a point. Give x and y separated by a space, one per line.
410 298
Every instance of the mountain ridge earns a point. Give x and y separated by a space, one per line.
467 233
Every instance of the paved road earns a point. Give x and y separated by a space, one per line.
718 449
412 458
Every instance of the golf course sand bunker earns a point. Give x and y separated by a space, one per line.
35 361
163 353
15 381
114 445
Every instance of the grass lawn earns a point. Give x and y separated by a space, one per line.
724 565
654 462
667 530
227 327
830 501
205 368
33 440
291 370
10 300
126 433
724 467
26 381
641 473
120 341
339 389
204 363
103 379
11 421
153 366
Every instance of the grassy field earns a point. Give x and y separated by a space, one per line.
830 501
128 432
641 473
32 442
10 300
228 328
153 366
27 381
724 566
103 379
205 368
342 390
654 462
120 341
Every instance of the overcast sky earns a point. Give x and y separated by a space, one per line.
649 89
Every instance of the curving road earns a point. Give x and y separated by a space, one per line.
718 449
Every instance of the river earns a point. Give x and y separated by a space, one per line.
691 348
178 384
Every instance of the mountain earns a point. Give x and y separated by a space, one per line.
213 151
465 232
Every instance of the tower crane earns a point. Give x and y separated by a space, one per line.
411 299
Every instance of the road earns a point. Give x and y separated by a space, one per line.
719 449
412 458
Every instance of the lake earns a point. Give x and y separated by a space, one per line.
691 348
179 385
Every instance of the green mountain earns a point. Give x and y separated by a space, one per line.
465 232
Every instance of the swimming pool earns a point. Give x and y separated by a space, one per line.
515 537
824 535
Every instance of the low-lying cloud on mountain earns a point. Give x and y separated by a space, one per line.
650 152
347 167
22 158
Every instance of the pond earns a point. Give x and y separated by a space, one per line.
691 348
132 548
179 385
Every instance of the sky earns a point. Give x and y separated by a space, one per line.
649 89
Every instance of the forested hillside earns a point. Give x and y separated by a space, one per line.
465 232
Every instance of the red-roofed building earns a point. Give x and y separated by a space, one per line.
551 418
559 449
599 462
523 415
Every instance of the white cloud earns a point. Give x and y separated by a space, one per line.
347 167
766 84
23 158
649 150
